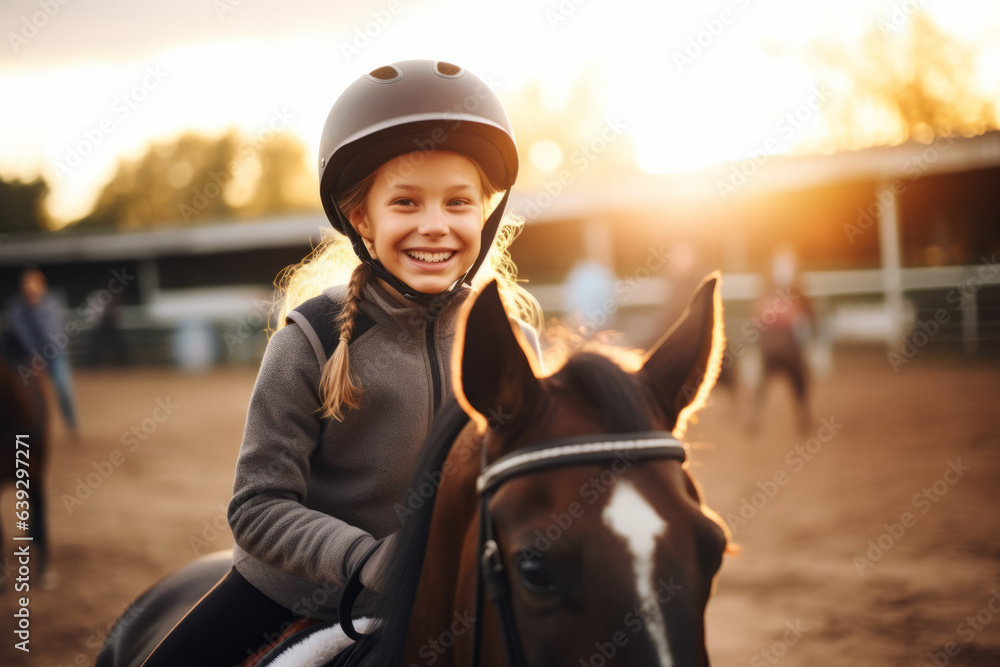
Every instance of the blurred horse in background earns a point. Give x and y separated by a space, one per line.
24 421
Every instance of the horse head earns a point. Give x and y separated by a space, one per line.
608 562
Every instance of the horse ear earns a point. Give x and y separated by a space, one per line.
495 375
683 366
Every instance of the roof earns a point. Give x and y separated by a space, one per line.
149 243
768 174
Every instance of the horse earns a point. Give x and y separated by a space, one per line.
551 520
25 443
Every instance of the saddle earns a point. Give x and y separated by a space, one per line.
313 643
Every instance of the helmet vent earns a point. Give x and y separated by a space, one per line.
447 70
384 74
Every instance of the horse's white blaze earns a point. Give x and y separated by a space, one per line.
631 517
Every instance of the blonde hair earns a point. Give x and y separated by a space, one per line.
334 262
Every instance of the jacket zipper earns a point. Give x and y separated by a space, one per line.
432 354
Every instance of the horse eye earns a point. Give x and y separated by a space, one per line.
535 576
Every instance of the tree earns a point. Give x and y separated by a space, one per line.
22 206
195 179
908 81
282 183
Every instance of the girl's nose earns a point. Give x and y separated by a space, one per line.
433 223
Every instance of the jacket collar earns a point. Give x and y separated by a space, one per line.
413 317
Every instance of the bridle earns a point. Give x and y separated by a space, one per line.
491 575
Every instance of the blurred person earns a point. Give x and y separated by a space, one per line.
36 320
589 287
783 315
349 385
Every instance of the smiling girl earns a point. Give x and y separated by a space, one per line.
413 160
424 228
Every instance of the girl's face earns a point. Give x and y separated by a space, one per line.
423 218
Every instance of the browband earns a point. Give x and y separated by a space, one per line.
578 450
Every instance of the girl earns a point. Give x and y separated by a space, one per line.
413 158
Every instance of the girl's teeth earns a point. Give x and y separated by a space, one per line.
429 256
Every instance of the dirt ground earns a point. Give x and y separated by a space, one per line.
874 543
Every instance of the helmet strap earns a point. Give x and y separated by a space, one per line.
425 298
486 242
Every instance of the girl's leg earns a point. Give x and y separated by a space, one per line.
233 621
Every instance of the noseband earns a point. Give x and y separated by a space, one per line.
491 576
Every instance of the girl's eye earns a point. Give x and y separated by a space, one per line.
402 201
458 202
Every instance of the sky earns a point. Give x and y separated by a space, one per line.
85 83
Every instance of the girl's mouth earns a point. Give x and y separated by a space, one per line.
425 257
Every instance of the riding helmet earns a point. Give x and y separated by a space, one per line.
407 106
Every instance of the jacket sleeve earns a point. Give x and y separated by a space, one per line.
266 513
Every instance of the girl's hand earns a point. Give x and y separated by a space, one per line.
374 571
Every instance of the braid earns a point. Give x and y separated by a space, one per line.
359 277
337 386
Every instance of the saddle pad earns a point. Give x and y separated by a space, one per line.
301 625
317 647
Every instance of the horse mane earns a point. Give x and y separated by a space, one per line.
615 395
406 560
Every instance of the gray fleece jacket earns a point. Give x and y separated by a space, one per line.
308 488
